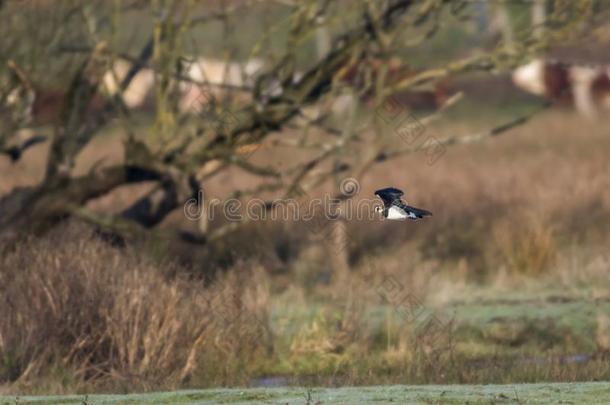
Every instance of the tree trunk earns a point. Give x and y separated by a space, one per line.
538 17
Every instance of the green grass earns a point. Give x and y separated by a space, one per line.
524 336
590 393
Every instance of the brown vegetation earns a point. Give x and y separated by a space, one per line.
77 307
106 285
84 313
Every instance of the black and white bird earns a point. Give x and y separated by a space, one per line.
395 208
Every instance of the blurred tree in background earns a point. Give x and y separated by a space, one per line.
284 65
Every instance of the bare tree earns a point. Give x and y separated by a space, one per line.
185 150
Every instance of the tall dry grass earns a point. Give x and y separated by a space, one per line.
74 306
515 202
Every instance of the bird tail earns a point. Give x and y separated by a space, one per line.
420 213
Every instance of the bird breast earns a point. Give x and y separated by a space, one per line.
396 213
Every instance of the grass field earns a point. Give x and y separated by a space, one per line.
515 257
501 296
566 393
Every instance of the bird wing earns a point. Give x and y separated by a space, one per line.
389 195
414 212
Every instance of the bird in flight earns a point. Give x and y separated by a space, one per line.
395 208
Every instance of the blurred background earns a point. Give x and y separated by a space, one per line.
127 126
